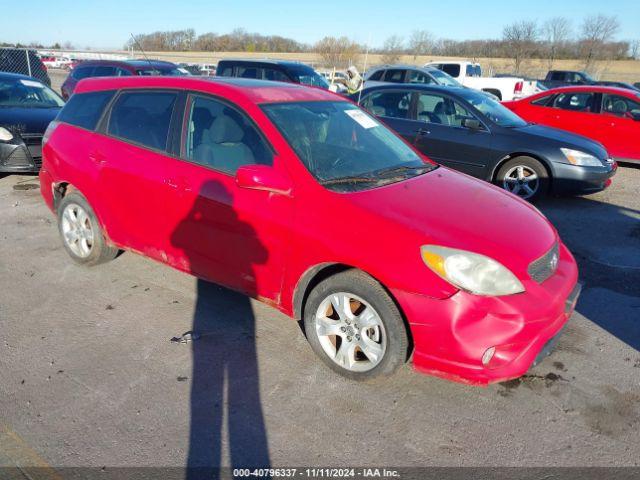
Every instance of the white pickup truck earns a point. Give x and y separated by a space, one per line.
470 75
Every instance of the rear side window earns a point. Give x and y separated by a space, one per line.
249 72
225 71
143 118
84 109
542 101
277 75
82 72
388 104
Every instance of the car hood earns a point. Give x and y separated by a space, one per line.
455 210
561 138
27 120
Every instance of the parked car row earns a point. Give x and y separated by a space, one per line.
299 198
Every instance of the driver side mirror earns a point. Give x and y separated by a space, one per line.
472 124
263 177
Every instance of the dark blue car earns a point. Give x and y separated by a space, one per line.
27 106
468 131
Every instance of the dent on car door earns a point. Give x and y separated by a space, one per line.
218 230
443 137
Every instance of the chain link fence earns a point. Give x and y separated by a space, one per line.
23 61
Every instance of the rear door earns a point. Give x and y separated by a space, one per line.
574 111
131 153
396 108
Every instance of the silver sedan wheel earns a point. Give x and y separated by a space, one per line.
77 230
351 332
521 181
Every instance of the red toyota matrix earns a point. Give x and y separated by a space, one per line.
298 198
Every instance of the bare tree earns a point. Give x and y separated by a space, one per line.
420 43
392 48
556 32
597 31
634 49
520 41
337 52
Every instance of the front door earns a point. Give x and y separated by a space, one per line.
619 120
219 231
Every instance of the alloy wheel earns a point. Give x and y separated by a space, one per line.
77 230
350 332
522 181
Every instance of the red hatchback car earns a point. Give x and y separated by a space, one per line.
297 197
608 115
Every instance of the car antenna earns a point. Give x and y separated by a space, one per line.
140 47
366 56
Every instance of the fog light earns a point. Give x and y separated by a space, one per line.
488 355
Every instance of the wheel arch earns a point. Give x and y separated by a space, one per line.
316 274
545 163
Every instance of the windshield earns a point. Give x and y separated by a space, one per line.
493 109
308 76
27 93
444 78
344 147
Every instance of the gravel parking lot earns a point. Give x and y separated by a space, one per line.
89 375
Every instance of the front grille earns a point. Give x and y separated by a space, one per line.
542 268
18 158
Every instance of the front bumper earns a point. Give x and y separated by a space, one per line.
569 178
452 335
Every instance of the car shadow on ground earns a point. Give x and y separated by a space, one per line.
605 241
225 394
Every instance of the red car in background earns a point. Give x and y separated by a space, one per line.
299 198
608 115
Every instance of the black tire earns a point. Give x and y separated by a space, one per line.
529 164
394 330
100 250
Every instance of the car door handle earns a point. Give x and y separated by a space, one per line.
424 131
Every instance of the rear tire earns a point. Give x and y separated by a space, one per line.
355 327
525 177
80 231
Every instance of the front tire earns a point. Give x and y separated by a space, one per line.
80 231
525 177
354 326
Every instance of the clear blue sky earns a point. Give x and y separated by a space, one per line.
108 23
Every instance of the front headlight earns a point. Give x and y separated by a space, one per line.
5 135
582 159
469 271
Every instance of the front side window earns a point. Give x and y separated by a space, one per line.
416 76
575 101
388 104
82 72
620 106
143 118
492 109
308 76
85 109
220 137
249 72
343 147
443 78
27 93
104 71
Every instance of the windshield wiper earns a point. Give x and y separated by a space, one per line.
335 181
404 168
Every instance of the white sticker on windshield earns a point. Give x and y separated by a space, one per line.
31 83
362 118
